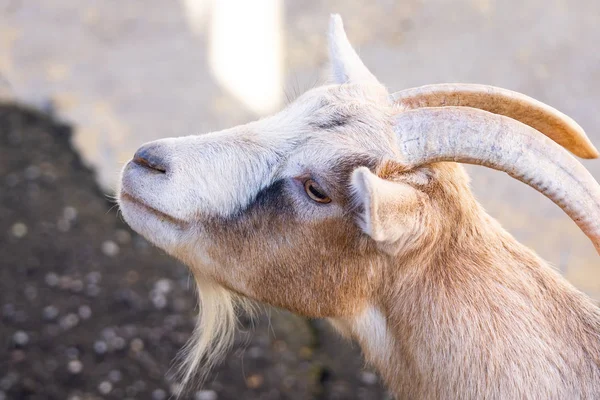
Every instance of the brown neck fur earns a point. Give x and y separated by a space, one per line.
478 315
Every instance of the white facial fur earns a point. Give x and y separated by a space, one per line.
219 174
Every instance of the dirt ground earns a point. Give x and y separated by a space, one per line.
89 310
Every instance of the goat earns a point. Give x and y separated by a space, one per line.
351 204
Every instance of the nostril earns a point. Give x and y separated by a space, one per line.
148 157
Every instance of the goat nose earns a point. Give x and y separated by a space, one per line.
148 156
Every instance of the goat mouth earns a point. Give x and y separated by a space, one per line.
151 210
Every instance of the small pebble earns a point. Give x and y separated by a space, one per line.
254 381
159 301
65 282
130 330
176 389
117 343
105 387
8 310
368 377
52 279
255 352
159 394
280 346
108 333
136 345
19 230
100 347
17 356
139 385
85 312
115 376
50 313
63 225
140 243
69 213
110 248
21 338
131 391
50 176
8 381
163 286
94 277
123 236
306 353
69 321
92 290
72 353
75 366
32 172
76 285
30 292
132 277
205 395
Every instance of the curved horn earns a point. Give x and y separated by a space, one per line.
473 136
551 122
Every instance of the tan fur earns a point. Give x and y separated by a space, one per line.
472 313
443 301
477 315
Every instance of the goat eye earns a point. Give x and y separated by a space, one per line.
314 191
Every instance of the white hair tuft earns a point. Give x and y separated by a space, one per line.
214 331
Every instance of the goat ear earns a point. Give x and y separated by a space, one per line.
345 63
390 209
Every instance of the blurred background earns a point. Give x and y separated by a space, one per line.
89 310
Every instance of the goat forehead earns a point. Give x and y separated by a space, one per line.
327 154
333 106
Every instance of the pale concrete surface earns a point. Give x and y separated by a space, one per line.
129 72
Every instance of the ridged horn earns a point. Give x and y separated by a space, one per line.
474 136
551 122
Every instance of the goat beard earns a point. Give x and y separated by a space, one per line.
214 333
